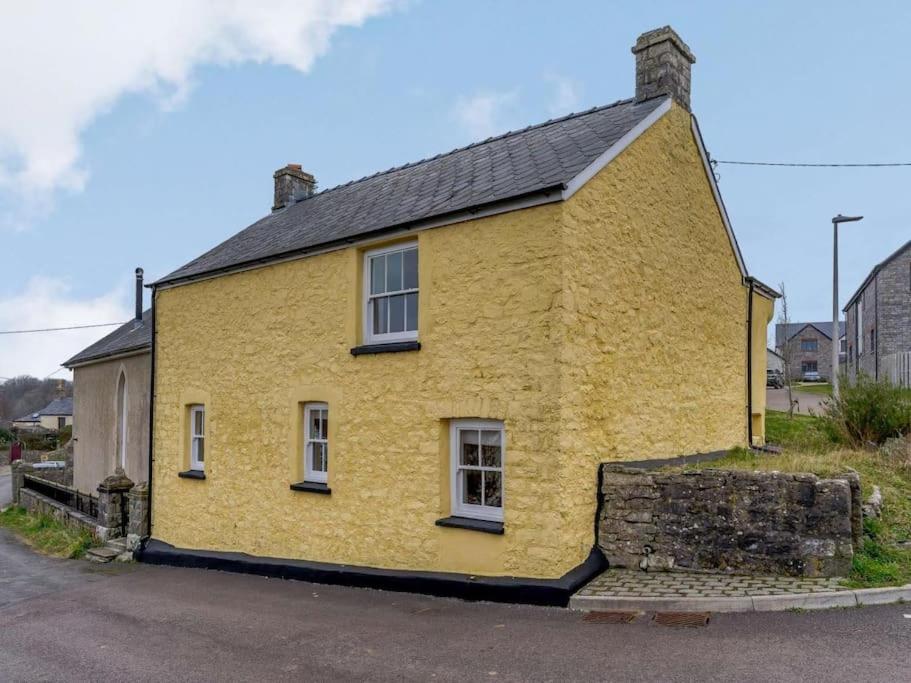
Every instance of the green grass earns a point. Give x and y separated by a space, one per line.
807 447
821 388
45 534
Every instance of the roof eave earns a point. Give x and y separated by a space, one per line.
123 353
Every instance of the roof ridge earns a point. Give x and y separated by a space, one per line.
501 136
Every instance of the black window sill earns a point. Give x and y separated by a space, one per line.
312 487
192 474
483 525
394 347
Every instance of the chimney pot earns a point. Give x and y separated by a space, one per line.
291 185
663 63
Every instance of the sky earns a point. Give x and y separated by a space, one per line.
142 134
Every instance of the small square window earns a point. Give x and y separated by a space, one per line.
477 455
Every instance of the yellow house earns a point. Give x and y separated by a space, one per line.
409 380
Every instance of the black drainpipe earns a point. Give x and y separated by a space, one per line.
750 365
151 410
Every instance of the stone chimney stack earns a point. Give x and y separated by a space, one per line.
663 66
291 185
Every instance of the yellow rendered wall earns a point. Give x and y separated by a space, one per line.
763 310
253 346
654 308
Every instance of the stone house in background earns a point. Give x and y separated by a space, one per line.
410 380
54 416
878 318
808 347
774 361
111 389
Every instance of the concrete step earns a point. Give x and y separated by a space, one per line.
103 554
118 544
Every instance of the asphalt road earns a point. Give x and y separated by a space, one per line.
777 399
68 620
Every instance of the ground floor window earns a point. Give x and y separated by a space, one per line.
316 442
808 366
197 437
477 452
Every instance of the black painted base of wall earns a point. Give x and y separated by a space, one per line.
554 592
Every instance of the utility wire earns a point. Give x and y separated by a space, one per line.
801 165
58 329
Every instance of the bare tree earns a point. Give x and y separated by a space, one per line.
786 350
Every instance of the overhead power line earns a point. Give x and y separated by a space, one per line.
807 165
59 329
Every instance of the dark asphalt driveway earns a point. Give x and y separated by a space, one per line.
157 623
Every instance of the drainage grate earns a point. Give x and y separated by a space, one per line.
610 617
682 618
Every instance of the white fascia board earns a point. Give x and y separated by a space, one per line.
615 149
697 135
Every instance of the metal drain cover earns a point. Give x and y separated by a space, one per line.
610 617
682 618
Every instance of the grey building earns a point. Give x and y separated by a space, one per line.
878 319
808 347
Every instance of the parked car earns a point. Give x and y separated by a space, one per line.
774 379
811 376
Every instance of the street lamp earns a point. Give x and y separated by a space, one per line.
836 331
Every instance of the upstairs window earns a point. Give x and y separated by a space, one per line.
198 437
391 294
808 345
477 452
316 442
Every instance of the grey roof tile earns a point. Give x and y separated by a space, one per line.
128 337
519 163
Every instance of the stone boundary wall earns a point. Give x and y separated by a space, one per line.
729 520
39 504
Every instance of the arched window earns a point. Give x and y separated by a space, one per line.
122 420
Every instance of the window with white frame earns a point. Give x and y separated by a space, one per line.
391 294
477 451
316 442
197 437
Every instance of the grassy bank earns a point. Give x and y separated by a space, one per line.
807 447
46 534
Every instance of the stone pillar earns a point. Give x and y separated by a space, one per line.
19 470
112 502
138 526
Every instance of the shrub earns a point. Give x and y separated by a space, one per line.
64 434
6 436
869 412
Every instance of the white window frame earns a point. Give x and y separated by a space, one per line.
387 337
122 426
195 438
458 508
309 473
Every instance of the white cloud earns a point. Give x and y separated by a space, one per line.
485 113
566 95
48 302
63 64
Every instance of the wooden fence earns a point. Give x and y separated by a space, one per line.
896 368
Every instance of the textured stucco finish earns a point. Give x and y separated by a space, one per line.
95 410
609 326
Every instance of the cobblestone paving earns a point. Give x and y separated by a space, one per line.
621 583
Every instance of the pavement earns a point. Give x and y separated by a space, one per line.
6 486
777 399
619 589
140 622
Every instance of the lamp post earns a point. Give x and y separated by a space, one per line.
836 332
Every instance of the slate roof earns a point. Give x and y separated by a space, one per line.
520 163
878 267
59 406
128 337
794 328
